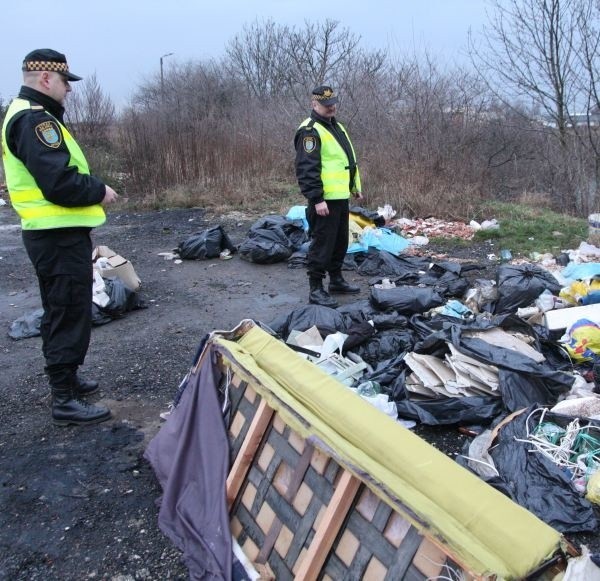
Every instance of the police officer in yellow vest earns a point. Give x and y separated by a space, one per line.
327 175
59 202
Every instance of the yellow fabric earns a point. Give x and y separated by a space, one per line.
361 220
485 530
35 211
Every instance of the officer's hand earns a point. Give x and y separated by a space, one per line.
110 196
358 195
322 209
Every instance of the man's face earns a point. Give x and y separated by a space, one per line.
327 111
58 87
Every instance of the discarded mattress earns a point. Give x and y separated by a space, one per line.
323 484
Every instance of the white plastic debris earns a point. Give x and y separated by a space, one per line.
490 224
387 212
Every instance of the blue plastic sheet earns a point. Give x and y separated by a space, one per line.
381 239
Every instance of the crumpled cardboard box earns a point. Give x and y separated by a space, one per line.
110 265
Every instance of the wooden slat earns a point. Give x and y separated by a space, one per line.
334 516
252 441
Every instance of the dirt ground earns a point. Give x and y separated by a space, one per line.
79 503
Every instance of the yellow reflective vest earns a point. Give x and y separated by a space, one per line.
35 211
335 171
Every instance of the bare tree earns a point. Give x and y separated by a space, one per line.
91 112
259 56
534 52
529 52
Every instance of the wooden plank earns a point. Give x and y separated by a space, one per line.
242 463
334 516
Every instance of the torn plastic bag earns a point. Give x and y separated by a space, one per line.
26 326
535 482
452 410
122 299
523 381
391 375
327 320
520 285
360 311
382 263
406 300
358 334
272 239
386 344
206 244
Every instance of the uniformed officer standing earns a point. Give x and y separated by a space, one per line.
59 202
327 174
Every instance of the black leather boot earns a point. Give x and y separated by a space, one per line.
337 284
319 296
67 409
84 387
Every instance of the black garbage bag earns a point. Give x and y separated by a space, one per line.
206 244
98 317
273 239
406 300
261 251
519 285
380 263
386 345
122 299
391 376
361 311
523 381
535 482
327 320
26 326
451 410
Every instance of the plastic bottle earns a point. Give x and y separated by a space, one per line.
369 388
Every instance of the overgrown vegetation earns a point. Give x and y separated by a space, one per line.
525 229
521 124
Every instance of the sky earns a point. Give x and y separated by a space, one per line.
122 41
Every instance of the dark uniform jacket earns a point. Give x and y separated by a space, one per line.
60 184
308 165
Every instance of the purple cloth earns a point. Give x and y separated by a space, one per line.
190 456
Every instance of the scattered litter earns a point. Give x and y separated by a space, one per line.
433 228
168 255
110 265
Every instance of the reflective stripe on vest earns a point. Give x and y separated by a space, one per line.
35 211
335 174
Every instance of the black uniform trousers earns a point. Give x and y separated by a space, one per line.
62 259
329 239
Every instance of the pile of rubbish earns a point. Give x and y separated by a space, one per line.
436 346
115 292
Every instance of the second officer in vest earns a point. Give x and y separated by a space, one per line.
327 175
59 202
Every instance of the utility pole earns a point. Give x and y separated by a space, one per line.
162 77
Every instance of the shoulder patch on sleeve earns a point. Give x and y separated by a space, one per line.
49 134
309 143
